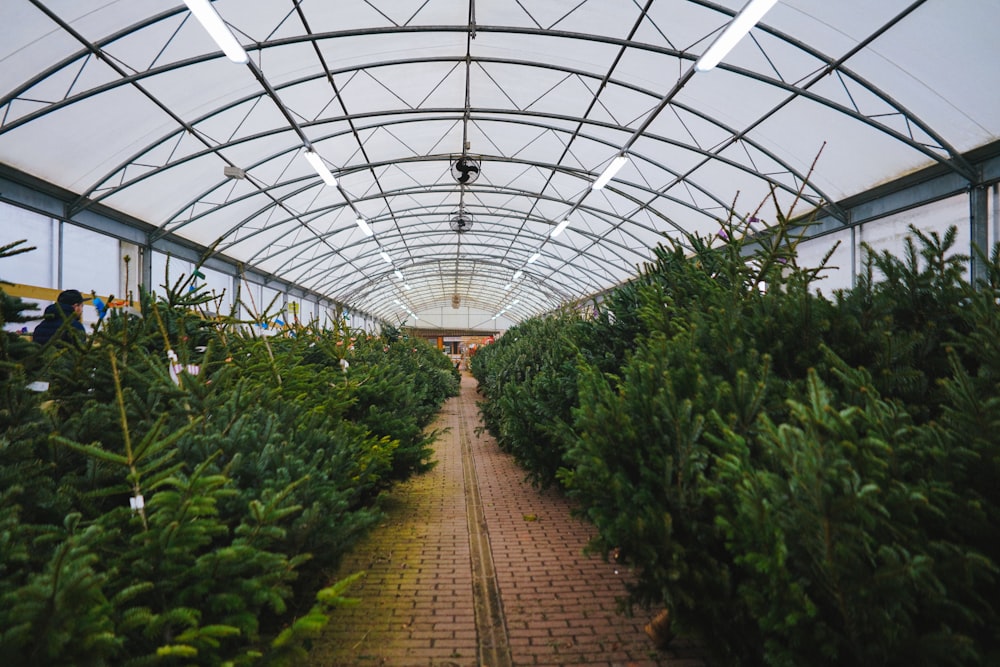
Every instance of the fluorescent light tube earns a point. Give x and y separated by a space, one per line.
317 163
385 257
363 226
507 288
217 30
399 274
737 29
406 286
517 276
560 228
609 172
534 258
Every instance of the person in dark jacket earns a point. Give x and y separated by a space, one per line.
62 318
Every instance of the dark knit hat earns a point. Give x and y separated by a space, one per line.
70 297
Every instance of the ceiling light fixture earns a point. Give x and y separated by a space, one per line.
364 227
217 30
399 274
534 258
741 24
385 257
517 276
610 171
560 228
317 163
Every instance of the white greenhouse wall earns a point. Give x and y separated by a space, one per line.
167 271
272 303
65 257
40 266
310 311
250 296
839 267
888 233
220 286
90 261
69 256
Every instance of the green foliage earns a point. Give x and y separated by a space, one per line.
840 542
530 388
184 486
400 399
803 481
289 647
900 316
43 623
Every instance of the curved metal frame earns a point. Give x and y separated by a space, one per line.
520 241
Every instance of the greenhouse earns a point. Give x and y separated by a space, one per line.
652 332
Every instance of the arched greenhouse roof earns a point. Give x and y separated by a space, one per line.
463 133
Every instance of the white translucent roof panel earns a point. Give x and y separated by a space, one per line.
500 113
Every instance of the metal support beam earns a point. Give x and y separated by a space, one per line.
145 267
909 192
978 231
854 256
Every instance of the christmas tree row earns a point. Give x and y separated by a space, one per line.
799 479
182 489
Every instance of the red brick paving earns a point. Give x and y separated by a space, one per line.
559 605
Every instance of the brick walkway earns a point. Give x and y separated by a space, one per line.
472 566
